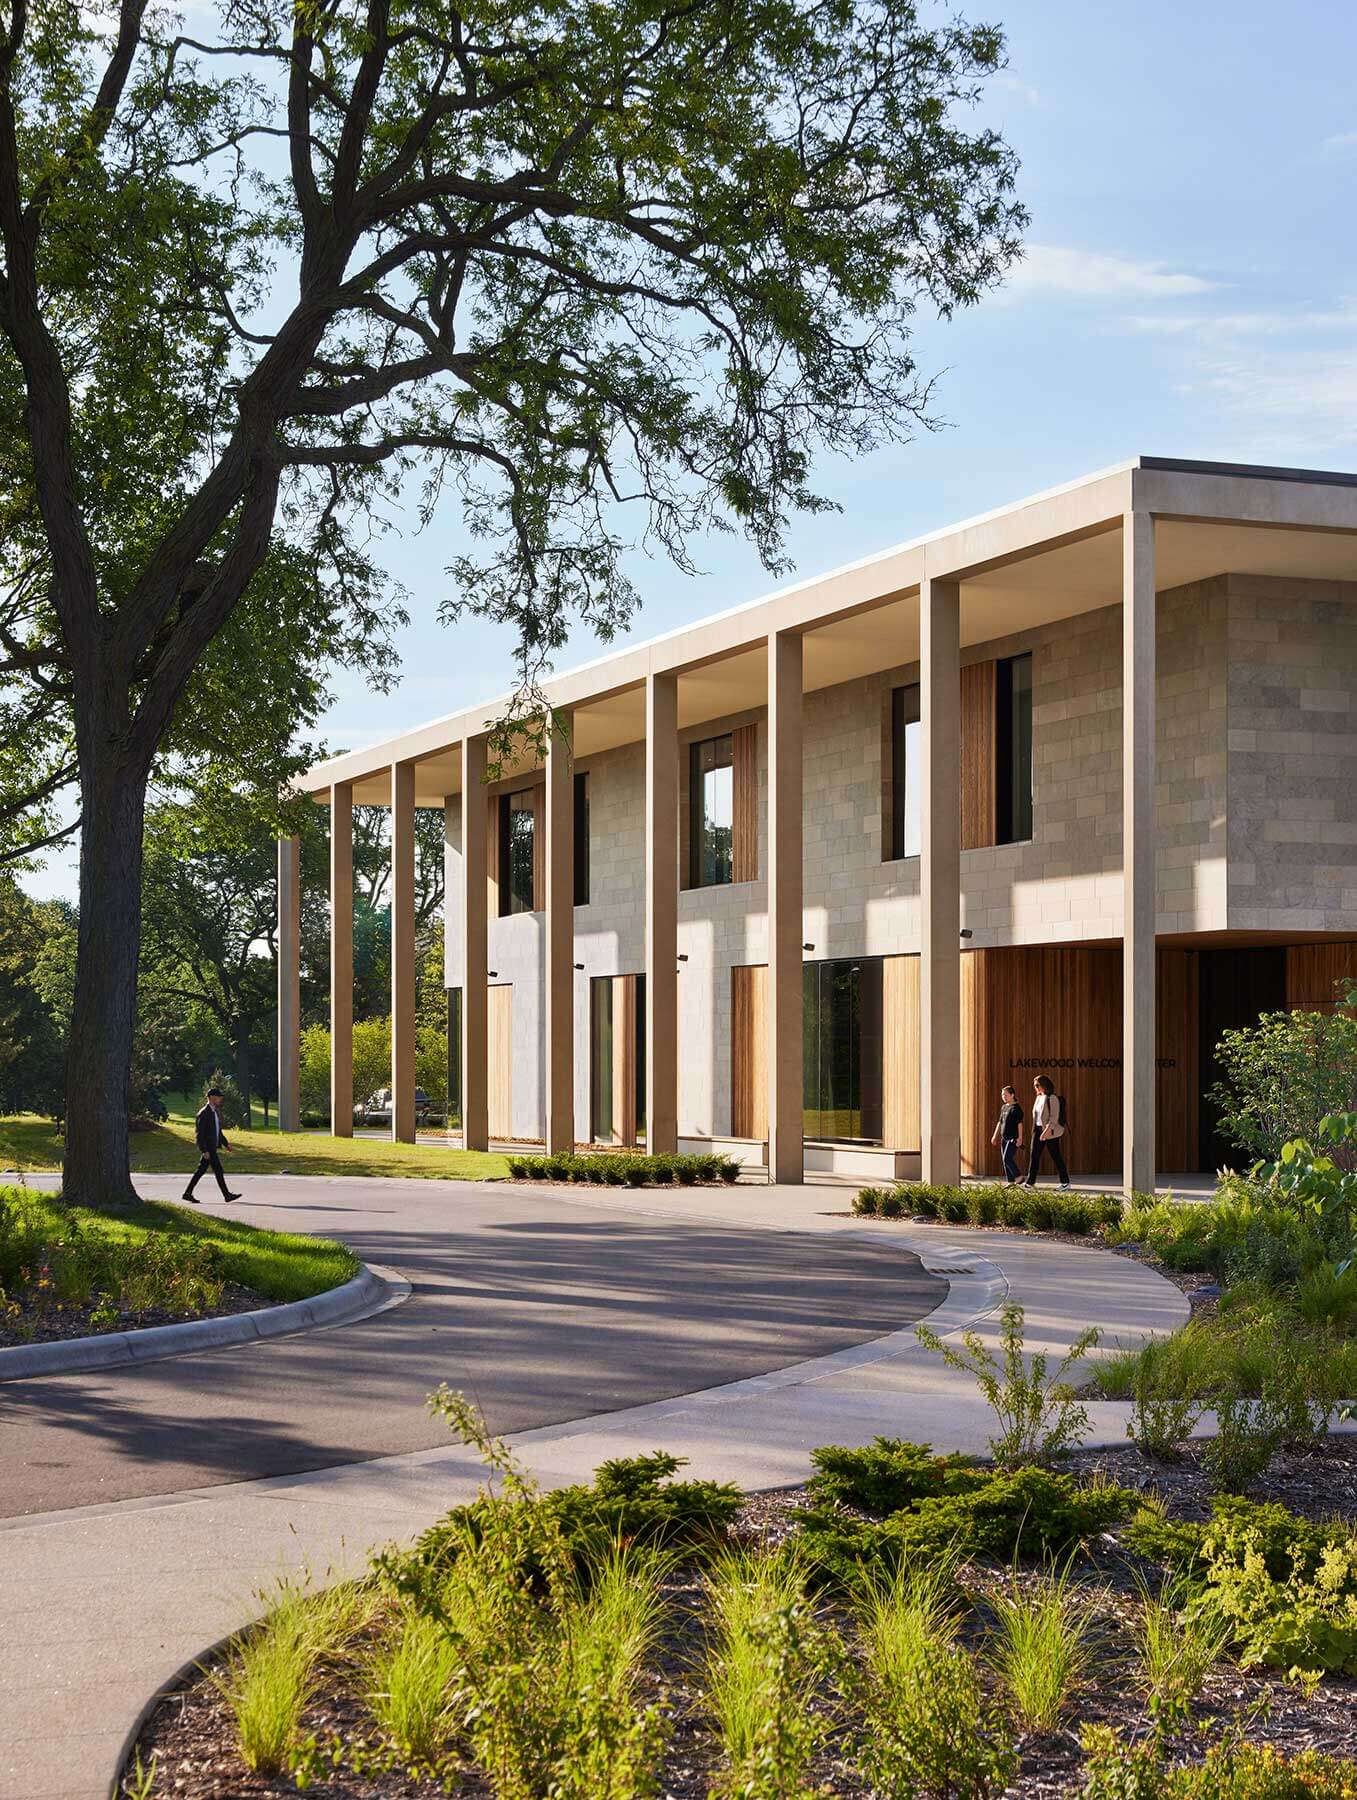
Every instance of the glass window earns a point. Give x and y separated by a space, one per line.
581 839
906 770
516 818
601 1059
711 800
1013 749
842 1049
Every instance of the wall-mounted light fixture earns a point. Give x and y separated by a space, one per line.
807 946
966 931
579 965
492 974
682 957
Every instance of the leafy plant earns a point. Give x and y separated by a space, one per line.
1249 1433
866 1202
1038 1416
1041 1648
1162 1416
1233 1770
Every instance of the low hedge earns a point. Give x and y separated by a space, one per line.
991 1203
612 1168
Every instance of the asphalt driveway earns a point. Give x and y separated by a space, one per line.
542 1308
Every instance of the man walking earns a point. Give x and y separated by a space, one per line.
1008 1134
211 1138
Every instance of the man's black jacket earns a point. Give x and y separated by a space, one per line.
207 1129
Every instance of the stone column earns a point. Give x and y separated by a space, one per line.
475 964
1138 854
786 1078
341 959
940 880
403 952
289 983
661 854
560 934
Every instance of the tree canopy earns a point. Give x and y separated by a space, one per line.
541 259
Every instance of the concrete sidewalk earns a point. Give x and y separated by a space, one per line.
105 1603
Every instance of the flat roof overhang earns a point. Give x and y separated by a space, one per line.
1050 557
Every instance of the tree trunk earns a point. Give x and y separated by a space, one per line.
243 1073
113 801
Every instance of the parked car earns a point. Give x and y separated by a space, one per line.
376 1109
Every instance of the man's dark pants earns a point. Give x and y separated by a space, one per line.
1008 1149
209 1160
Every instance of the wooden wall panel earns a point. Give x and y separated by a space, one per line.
1313 970
624 1059
900 1052
749 1051
492 856
1030 1010
1034 1011
539 848
500 1060
1178 1078
744 755
977 755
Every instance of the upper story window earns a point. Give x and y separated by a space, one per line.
711 811
517 832
906 768
581 839
1013 749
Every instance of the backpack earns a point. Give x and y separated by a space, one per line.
1064 1119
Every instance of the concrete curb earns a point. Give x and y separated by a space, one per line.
372 1290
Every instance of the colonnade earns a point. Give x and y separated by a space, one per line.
940 599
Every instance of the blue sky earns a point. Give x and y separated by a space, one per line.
1189 289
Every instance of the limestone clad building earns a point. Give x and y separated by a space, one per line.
1067 788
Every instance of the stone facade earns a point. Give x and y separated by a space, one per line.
1256 806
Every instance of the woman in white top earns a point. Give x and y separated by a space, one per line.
1048 1127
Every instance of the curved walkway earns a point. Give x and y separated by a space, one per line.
105 1602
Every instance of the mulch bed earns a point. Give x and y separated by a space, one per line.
53 1324
191 1737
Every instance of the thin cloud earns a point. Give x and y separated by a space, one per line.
1246 324
1302 403
1340 141
1094 275
1013 84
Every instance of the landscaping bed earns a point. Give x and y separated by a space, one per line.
69 1272
1016 1631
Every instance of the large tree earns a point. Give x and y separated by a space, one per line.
556 255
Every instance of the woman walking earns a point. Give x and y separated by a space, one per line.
1048 1127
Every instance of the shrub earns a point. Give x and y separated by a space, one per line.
891 1205
1248 1436
1283 1076
866 1202
887 1475
1116 1770
630 1500
1285 1587
613 1168
1038 1419
729 1170
1030 1512
1164 1406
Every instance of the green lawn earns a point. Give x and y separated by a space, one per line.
28 1142
281 1265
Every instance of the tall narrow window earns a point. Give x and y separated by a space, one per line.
906 760
516 821
711 807
601 1059
1013 749
842 1049
581 839
454 1056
